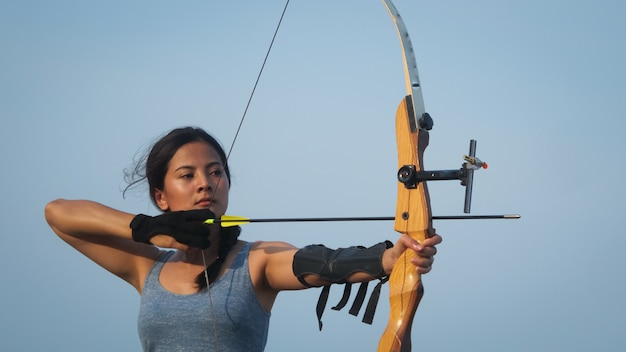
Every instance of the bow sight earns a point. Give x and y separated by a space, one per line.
410 177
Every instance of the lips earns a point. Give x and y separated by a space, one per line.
204 202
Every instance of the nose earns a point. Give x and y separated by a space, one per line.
204 183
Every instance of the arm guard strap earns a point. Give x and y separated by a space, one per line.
337 265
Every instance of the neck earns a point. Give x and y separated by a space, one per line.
196 256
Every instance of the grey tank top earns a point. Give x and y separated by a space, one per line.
174 322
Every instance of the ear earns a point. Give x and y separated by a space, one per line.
160 199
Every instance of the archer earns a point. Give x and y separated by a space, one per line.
201 287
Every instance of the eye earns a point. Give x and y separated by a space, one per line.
216 171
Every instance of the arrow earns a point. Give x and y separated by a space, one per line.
232 220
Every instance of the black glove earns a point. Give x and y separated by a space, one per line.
184 226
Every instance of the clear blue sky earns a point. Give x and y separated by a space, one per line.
84 86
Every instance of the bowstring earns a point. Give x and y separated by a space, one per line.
230 149
258 78
213 322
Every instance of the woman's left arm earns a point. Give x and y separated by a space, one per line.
275 260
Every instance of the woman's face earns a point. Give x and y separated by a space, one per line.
195 179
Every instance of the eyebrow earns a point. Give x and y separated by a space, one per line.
209 165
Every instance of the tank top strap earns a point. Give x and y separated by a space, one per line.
152 280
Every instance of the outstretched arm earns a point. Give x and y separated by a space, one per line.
279 263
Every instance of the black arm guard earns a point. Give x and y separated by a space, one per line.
336 265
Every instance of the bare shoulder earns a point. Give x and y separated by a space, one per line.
271 257
271 266
271 247
267 253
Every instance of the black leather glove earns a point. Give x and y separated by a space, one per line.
186 227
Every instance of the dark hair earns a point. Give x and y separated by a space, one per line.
153 166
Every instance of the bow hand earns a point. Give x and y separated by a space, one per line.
424 253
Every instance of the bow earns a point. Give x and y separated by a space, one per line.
413 214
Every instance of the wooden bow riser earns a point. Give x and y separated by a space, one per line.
413 217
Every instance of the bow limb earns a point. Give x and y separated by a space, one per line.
413 214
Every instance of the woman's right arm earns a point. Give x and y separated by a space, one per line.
103 235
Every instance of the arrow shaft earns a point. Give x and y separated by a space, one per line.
370 218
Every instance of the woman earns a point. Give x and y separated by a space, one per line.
189 180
